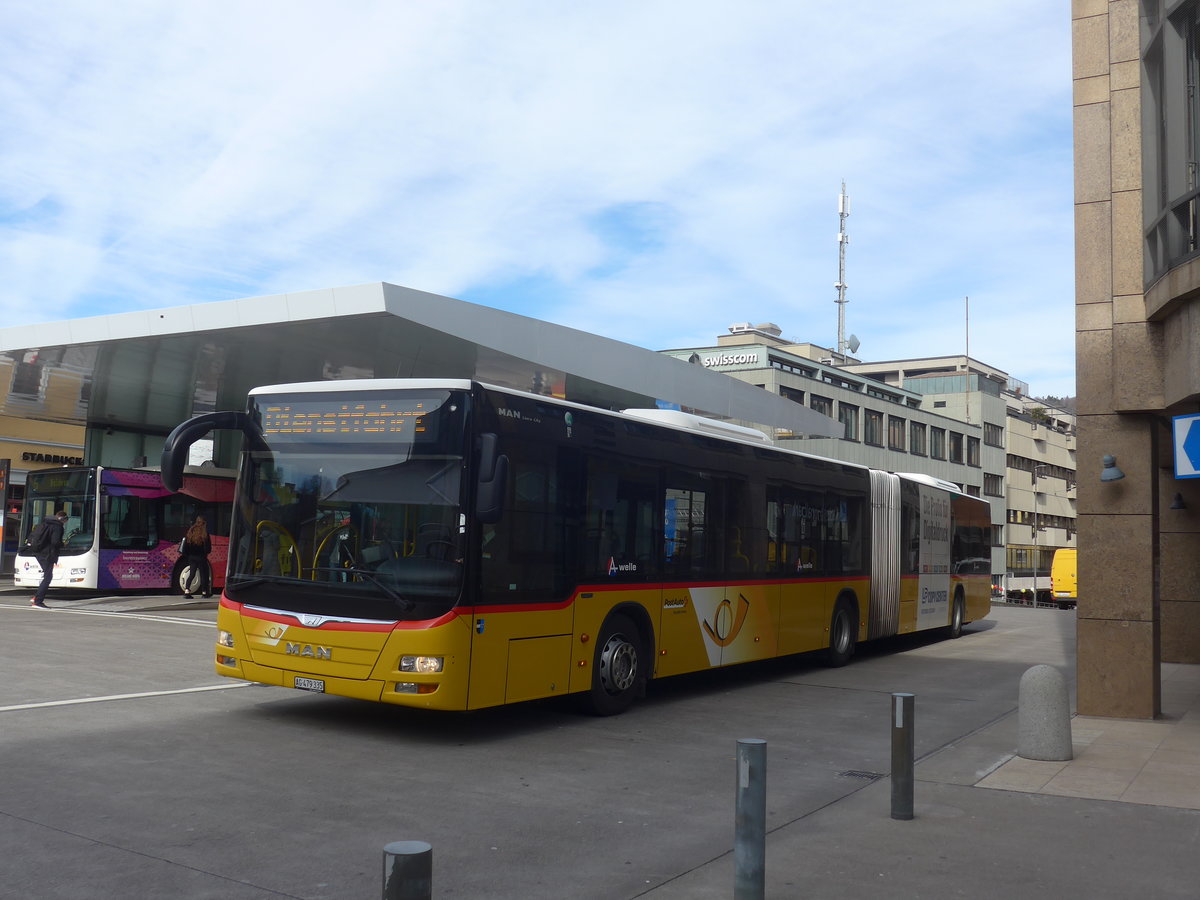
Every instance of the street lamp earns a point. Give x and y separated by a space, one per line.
1035 531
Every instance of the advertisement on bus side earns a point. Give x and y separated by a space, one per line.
933 591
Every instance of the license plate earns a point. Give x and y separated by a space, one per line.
310 684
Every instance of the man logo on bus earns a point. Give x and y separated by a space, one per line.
727 622
308 650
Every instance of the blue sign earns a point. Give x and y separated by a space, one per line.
1185 434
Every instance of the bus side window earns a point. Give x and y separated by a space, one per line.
529 552
620 519
746 535
844 535
800 531
910 534
684 532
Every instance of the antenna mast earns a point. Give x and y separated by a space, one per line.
843 240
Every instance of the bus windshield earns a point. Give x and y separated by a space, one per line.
72 490
353 508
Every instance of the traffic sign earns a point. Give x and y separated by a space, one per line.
1185 434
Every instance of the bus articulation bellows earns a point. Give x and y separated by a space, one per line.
452 545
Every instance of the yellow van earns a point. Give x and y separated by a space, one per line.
1063 578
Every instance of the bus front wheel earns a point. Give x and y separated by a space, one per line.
618 669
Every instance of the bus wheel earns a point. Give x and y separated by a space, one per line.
185 579
956 616
843 631
617 670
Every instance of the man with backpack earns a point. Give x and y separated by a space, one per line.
45 541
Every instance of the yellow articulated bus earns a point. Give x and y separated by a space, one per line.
451 545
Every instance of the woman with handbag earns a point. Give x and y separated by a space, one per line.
195 547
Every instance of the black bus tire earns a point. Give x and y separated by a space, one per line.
957 616
184 576
843 632
618 668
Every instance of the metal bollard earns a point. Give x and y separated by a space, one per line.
903 751
750 821
407 871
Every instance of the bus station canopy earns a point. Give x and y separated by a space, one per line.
141 373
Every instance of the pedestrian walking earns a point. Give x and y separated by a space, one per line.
195 547
46 541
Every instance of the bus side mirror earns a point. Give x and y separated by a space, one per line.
493 479
175 448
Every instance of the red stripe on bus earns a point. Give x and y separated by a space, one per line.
493 609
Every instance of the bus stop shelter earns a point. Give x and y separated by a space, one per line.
129 378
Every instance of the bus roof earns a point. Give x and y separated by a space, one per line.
366 384
932 480
665 418
697 423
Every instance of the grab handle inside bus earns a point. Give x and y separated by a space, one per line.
493 478
175 448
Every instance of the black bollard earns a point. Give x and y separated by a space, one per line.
407 871
903 751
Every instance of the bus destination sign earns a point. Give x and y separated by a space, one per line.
357 420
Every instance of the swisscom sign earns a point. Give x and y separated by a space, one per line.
739 359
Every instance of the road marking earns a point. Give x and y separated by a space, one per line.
114 614
140 696
117 614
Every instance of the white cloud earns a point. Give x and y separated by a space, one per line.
192 151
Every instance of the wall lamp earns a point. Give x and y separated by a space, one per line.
1178 503
1111 472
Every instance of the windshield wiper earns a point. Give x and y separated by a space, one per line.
374 578
249 581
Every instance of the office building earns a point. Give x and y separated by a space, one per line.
1137 225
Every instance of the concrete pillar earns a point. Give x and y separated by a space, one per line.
1118 613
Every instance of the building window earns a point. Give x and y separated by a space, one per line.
848 416
916 438
973 451
1171 139
873 428
883 395
956 447
896 435
937 443
993 435
791 394
993 485
823 405
27 375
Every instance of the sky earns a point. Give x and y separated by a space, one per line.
649 170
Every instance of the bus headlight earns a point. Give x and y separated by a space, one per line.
225 639
426 665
